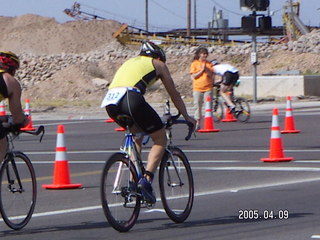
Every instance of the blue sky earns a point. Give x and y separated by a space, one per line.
163 14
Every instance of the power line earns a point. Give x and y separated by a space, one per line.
226 9
168 10
131 21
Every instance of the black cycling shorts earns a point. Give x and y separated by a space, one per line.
230 78
134 104
3 131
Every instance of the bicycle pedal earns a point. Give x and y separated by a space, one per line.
149 205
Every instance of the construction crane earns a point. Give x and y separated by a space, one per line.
76 13
292 23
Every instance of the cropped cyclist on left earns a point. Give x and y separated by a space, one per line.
10 89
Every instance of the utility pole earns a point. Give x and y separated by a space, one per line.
195 13
188 18
254 61
146 13
254 68
249 25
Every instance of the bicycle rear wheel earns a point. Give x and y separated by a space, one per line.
243 105
119 195
176 185
217 110
18 190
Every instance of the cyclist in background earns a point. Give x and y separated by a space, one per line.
125 97
229 76
10 88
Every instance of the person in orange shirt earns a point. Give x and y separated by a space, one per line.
201 71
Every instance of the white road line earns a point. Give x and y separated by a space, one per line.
243 188
245 150
51 213
68 122
155 210
259 167
315 236
186 151
245 168
267 185
291 169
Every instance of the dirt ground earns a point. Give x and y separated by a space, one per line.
33 34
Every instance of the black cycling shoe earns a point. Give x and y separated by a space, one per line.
146 189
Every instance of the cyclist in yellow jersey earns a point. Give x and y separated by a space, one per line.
125 97
11 89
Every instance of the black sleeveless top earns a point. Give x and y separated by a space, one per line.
3 88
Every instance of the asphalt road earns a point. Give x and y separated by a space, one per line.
237 196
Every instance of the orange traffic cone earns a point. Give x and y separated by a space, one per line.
61 174
27 112
276 148
109 120
2 109
120 129
229 116
208 119
289 126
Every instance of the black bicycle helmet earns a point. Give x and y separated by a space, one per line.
215 62
150 49
9 61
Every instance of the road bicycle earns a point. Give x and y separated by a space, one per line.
122 199
218 106
18 186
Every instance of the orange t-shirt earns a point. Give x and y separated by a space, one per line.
204 82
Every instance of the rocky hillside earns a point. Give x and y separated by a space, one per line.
75 61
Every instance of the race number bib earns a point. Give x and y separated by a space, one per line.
113 96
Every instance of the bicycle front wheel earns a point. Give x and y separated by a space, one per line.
176 185
18 190
120 198
243 105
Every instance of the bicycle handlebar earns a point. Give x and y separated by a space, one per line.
36 132
190 127
16 128
171 120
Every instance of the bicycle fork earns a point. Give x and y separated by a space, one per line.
172 163
11 181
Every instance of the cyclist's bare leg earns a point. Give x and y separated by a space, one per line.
156 153
3 148
224 93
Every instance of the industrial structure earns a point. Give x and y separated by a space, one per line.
217 32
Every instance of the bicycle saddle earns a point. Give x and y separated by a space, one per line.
126 119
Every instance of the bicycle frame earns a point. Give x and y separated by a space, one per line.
241 104
121 195
129 149
17 197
